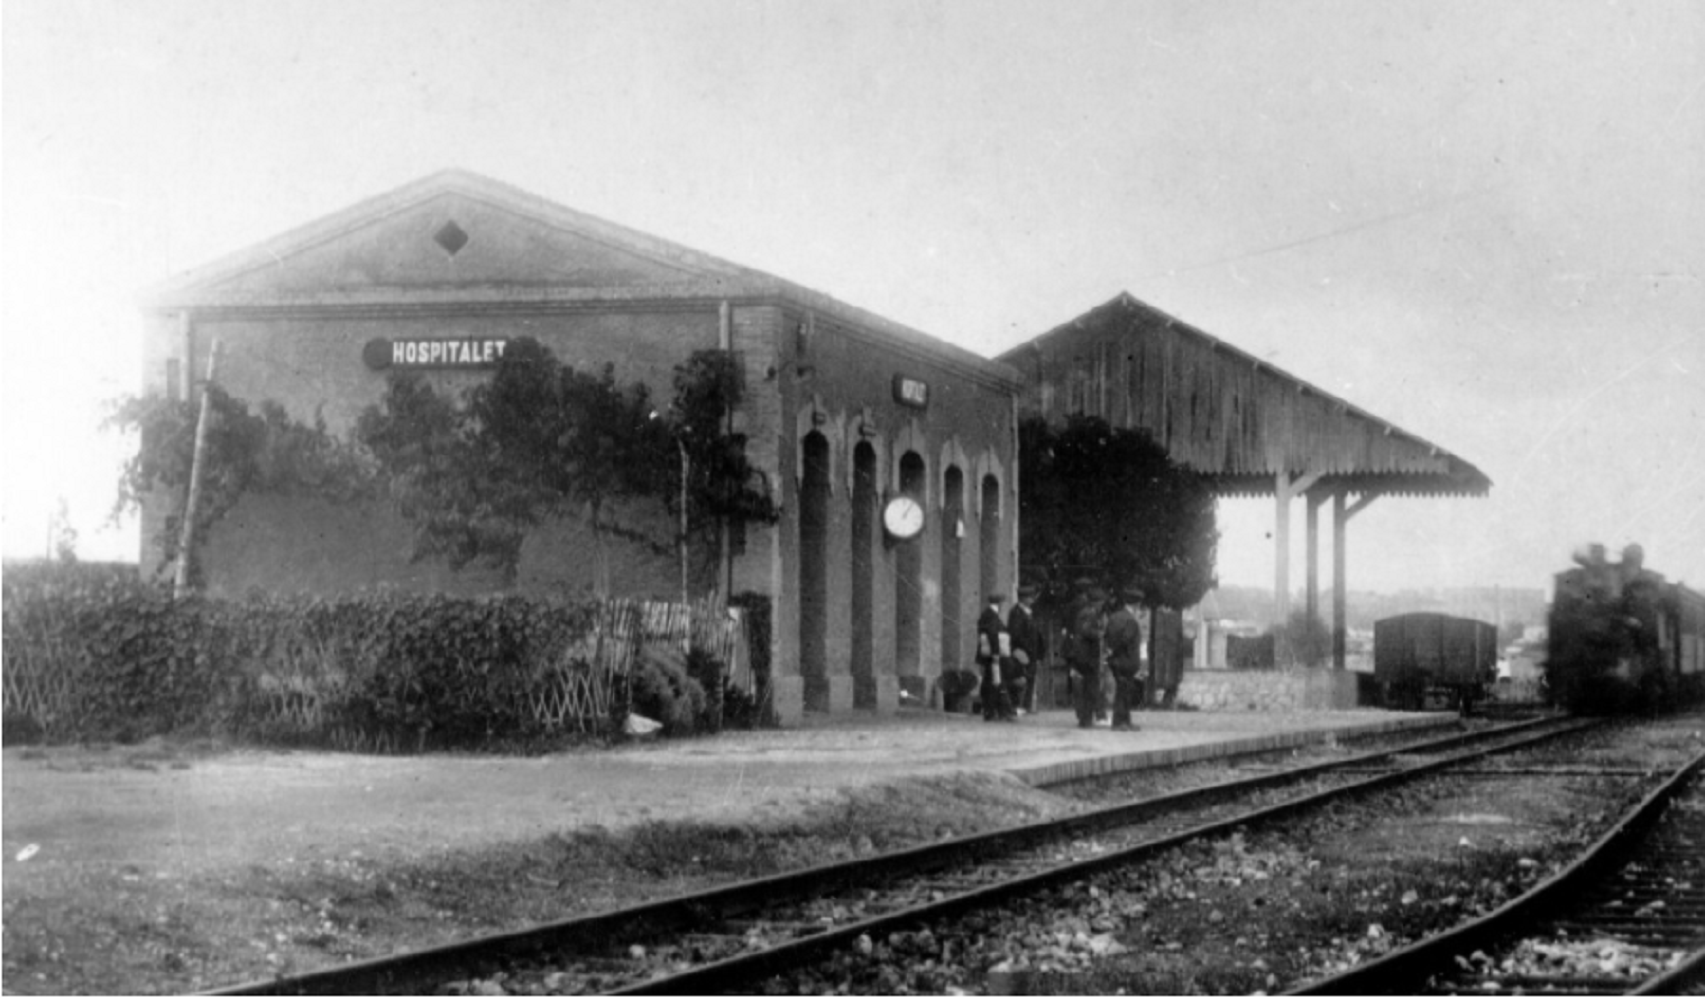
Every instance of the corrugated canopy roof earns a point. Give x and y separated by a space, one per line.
1224 412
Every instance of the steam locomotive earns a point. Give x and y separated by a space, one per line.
1622 638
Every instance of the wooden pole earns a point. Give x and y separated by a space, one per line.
1313 556
686 471
1284 488
197 472
186 327
1313 521
724 553
1340 518
1281 548
1341 515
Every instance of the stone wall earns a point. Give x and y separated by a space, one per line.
1268 690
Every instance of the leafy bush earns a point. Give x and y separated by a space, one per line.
20 729
105 656
99 658
662 691
740 708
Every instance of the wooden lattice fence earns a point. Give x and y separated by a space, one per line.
40 680
579 689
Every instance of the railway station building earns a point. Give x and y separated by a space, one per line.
891 454
1256 430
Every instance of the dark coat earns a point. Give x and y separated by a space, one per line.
1021 625
1124 642
1087 626
990 628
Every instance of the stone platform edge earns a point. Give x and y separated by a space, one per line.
1095 767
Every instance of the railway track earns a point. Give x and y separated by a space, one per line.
728 938
1628 916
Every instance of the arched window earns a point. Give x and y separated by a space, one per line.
864 515
953 614
909 577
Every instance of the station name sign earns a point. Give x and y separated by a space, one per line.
911 391
434 352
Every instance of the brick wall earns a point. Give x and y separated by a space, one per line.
804 373
835 382
312 366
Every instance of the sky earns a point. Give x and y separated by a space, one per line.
1484 223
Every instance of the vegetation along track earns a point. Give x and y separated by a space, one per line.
1627 916
737 933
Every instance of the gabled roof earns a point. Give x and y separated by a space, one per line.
456 239
1222 411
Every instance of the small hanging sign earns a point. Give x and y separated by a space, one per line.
911 391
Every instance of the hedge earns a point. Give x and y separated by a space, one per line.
103 657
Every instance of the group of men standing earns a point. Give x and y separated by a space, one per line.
1007 654
1097 636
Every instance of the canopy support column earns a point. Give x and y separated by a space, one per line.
1341 515
1284 488
1316 497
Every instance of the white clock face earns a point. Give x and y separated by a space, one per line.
903 517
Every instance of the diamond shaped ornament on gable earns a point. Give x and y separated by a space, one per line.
451 237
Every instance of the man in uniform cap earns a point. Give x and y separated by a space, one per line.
1124 655
1026 648
994 647
1084 653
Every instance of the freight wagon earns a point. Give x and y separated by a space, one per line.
1424 658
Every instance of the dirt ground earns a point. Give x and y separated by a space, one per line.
169 811
171 868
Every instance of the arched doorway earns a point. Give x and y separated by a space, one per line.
909 578
814 572
989 539
952 591
863 575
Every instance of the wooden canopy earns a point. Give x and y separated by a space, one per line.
1222 411
1253 428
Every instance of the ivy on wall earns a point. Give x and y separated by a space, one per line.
541 441
264 452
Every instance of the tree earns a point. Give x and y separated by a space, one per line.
541 441
723 490
538 442
61 534
1109 503
1302 639
245 453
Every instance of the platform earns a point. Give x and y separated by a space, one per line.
174 814
1039 749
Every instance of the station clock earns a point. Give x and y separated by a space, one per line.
903 517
